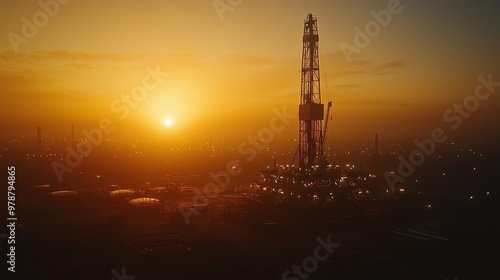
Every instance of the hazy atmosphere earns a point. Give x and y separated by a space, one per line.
234 66
250 139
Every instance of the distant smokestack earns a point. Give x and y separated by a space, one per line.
39 138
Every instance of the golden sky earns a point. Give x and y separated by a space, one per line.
235 67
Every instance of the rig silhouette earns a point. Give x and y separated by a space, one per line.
314 179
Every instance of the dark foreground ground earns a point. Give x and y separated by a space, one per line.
98 239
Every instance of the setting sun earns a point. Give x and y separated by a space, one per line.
168 122
205 135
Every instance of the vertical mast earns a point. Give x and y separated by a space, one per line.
311 110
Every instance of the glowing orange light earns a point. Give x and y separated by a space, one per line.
168 122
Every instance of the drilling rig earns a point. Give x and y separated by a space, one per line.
314 179
311 110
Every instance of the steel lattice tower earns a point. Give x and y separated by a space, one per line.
311 110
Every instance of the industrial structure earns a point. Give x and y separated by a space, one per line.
311 110
314 179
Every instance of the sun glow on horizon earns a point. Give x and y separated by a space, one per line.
168 122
